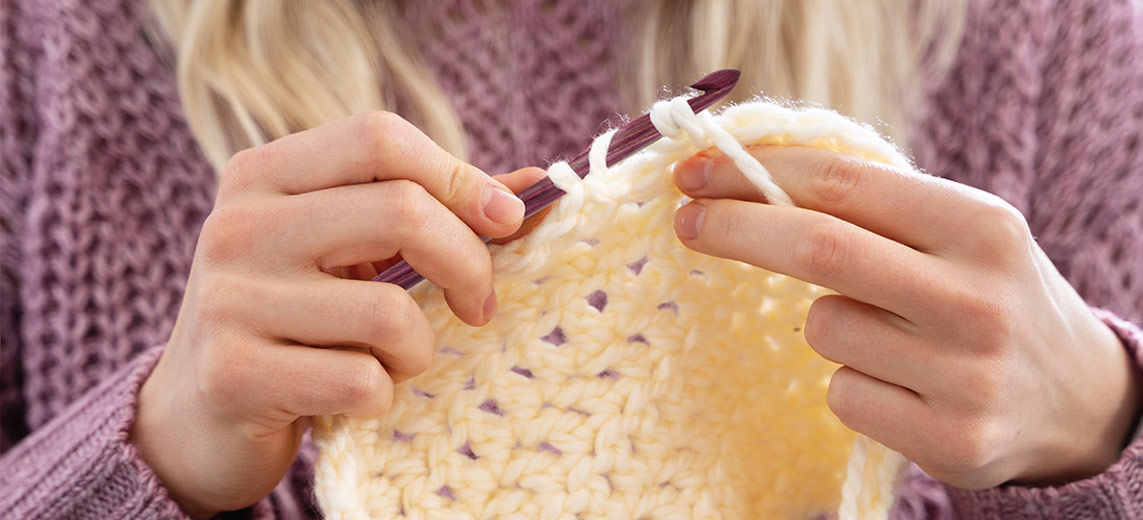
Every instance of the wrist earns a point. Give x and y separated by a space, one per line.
150 437
1091 444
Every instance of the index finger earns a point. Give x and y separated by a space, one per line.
374 146
924 212
816 248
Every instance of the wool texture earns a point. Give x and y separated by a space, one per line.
103 191
625 375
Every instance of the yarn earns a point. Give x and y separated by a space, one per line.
625 375
102 197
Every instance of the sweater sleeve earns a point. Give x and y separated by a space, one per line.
80 464
77 463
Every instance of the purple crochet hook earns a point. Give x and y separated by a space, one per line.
631 138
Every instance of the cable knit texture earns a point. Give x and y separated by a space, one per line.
531 80
103 192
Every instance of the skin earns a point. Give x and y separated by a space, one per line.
279 321
962 346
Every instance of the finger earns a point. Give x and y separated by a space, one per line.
520 179
921 211
527 227
379 318
887 413
305 381
349 226
363 271
813 247
376 146
872 341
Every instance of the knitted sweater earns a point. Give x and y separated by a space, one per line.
104 190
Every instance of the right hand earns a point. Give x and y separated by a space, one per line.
279 321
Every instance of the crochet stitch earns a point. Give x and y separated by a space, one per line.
104 191
625 375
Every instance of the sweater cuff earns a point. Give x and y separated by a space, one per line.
1110 495
81 465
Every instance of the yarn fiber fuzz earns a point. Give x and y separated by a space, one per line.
624 376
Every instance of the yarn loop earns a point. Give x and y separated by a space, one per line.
625 376
675 120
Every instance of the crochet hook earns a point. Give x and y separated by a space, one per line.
631 138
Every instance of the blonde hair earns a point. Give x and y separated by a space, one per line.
251 71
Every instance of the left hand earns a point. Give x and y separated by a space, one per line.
963 347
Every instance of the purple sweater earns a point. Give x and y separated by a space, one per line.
104 190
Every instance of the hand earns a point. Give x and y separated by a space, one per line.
963 348
274 328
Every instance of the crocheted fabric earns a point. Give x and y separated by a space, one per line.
625 376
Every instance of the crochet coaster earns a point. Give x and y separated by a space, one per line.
625 376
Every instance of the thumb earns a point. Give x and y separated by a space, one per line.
520 179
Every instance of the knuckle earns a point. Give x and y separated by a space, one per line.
820 323
239 162
382 125
382 394
822 250
968 446
833 179
986 316
1002 231
221 307
215 296
242 169
221 379
226 232
383 132
1008 220
361 382
390 314
477 270
459 182
419 357
724 222
982 309
839 396
986 385
397 320
412 204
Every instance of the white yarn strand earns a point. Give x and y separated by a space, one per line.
560 436
563 176
854 475
597 154
675 118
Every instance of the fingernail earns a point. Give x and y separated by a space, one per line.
690 220
490 306
695 173
502 208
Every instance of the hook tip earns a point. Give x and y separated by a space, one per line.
718 80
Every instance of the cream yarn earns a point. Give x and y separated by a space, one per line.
625 376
